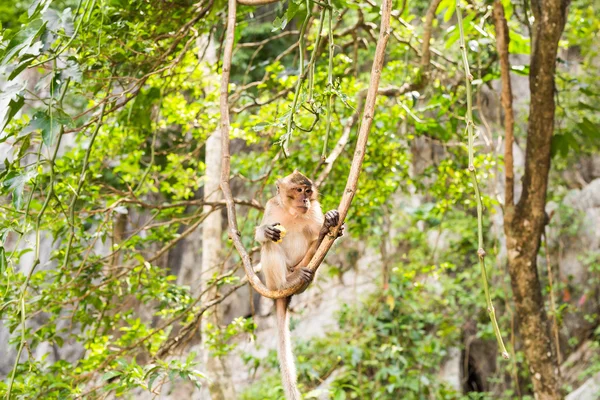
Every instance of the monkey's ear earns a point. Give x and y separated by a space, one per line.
277 185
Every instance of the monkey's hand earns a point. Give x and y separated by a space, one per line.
273 233
332 218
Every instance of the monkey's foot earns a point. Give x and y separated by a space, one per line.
301 276
341 231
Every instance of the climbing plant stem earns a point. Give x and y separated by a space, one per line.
329 80
82 176
301 77
470 134
313 57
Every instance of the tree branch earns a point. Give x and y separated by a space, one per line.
363 134
234 233
367 120
502 41
343 140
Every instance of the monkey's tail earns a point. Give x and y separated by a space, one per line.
286 357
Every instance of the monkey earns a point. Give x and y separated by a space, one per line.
284 258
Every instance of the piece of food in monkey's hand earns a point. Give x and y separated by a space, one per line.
282 231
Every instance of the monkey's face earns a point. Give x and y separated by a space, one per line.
299 197
297 192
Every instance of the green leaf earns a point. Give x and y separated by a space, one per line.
152 379
72 71
110 375
57 21
38 6
562 143
450 8
20 44
15 182
11 95
292 9
49 125
3 262
518 43
22 65
589 129
280 23
13 107
584 106
24 146
260 126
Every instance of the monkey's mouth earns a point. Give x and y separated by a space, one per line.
303 208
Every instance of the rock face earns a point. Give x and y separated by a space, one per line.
574 242
585 238
590 390
575 367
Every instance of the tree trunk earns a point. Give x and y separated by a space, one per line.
524 222
220 387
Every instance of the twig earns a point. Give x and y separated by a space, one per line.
267 40
82 180
391 91
427 27
226 157
473 173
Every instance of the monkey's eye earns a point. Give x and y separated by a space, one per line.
308 191
299 190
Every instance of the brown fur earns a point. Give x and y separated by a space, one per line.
299 212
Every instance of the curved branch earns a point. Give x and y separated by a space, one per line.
363 134
359 154
234 233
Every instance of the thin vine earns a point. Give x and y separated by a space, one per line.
82 180
313 57
301 77
470 132
329 80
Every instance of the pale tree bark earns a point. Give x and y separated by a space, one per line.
524 222
220 387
